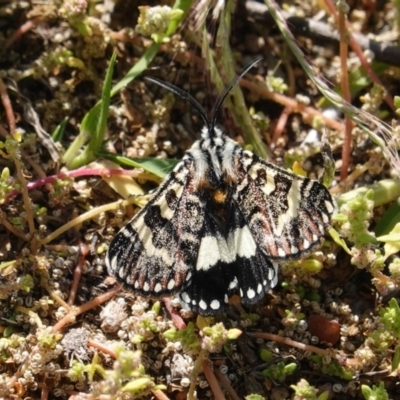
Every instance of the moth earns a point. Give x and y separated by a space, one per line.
219 223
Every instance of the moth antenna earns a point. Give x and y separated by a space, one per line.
226 91
183 95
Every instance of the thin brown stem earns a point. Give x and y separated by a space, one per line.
71 316
212 381
293 343
26 27
357 49
173 312
226 384
77 273
101 347
308 113
5 99
10 227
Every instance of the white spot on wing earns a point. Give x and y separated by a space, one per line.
215 305
281 252
157 287
329 206
121 271
146 286
259 288
185 297
233 284
203 305
273 275
171 284
250 293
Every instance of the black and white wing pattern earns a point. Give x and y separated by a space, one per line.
218 225
155 254
287 214
229 262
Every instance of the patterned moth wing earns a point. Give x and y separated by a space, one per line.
287 214
218 224
154 254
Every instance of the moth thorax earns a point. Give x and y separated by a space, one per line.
219 195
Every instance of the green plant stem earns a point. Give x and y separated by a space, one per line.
346 150
85 216
196 371
25 195
226 63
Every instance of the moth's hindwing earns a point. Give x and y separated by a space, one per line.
228 264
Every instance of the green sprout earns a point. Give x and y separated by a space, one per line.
26 282
355 216
216 336
127 376
304 391
330 366
280 371
276 84
47 339
390 317
374 393
380 339
187 336
155 21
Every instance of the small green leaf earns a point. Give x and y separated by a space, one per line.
324 395
392 241
254 397
388 220
311 265
396 358
96 141
338 240
234 333
137 385
397 104
93 127
157 166
58 132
